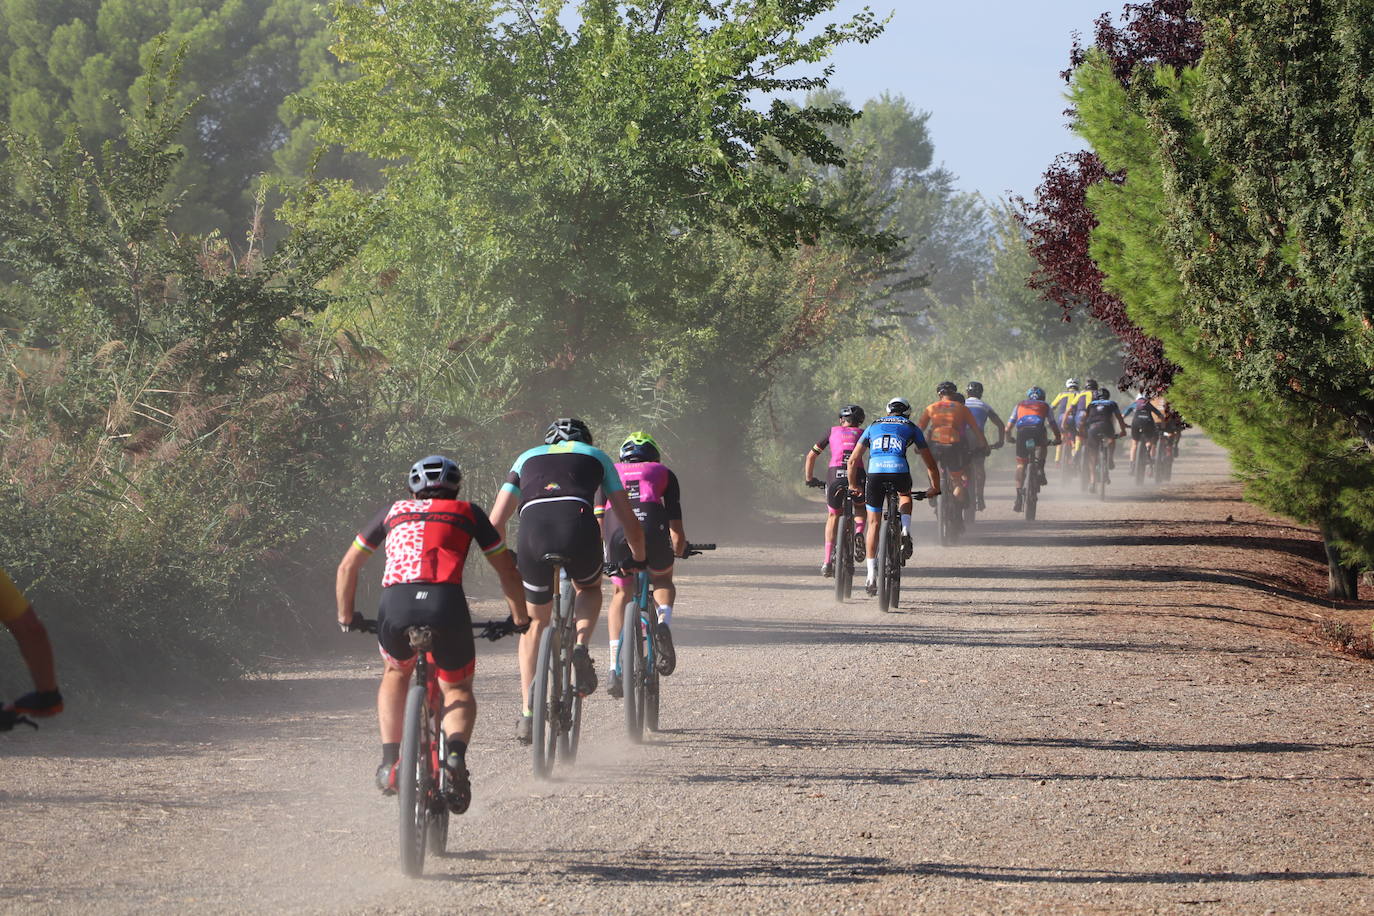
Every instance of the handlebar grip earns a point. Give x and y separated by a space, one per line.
701 547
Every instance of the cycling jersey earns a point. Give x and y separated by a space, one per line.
888 439
946 421
1099 413
650 482
1145 412
13 604
841 442
1030 413
981 410
427 540
657 500
562 471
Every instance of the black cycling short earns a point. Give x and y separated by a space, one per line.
952 457
1030 437
837 487
561 526
1101 431
1144 429
658 542
875 485
442 607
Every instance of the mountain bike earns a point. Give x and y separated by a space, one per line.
977 480
1101 458
844 550
639 660
1165 452
554 700
422 781
1141 463
948 511
890 548
1031 481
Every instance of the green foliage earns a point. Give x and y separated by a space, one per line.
1296 456
72 65
166 408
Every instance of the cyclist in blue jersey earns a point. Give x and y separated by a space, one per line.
555 486
887 441
982 413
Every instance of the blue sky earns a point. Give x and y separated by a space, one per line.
986 70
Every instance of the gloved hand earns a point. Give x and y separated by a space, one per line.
814 482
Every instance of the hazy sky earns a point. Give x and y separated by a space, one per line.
986 70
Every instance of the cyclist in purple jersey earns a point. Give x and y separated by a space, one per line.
657 499
841 441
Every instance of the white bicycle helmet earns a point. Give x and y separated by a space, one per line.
1071 384
899 406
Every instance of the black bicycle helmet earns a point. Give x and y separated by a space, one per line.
435 473
974 389
945 388
1090 384
853 412
567 429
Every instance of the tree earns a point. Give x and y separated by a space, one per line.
75 64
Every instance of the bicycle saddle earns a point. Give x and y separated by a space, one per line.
557 558
421 638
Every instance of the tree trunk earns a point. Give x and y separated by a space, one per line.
1342 579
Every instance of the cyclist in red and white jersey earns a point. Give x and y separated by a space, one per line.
427 540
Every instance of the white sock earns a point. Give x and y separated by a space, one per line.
615 648
906 524
872 566
665 614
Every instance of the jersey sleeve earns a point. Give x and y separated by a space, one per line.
821 444
672 498
864 439
512 484
918 438
485 533
610 477
373 533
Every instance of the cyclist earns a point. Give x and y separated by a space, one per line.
1063 408
1096 421
1145 419
657 499
1033 420
555 487
841 441
427 539
888 440
982 413
31 636
949 426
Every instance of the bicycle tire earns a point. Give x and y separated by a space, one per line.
1138 466
1102 459
631 671
544 745
651 696
843 556
413 777
894 588
889 543
1032 489
572 738
567 689
437 835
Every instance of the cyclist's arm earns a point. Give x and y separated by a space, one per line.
812 454
672 503
1157 413
1001 427
1119 421
346 581
932 469
507 499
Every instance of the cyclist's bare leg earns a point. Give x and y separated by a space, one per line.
1041 451
1020 477
460 709
529 647
832 524
587 608
615 614
871 534
35 648
665 591
391 702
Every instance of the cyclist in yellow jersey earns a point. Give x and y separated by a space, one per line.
20 619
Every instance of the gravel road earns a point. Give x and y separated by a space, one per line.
1111 710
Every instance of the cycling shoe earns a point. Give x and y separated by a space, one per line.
386 778
584 671
666 662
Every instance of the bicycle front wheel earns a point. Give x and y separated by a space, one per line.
413 779
632 672
544 697
843 557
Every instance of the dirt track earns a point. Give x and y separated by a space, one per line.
1108 711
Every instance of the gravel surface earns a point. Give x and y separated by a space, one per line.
1112 709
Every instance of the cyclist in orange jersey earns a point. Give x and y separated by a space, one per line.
953 433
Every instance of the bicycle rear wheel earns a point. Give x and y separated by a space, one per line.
632 671
1138 466
413 779
1032 489
884 553
843 556
572 736
1102 458
545 703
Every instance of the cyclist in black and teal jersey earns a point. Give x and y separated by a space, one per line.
555 486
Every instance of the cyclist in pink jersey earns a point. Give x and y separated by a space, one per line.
841 442
657 500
